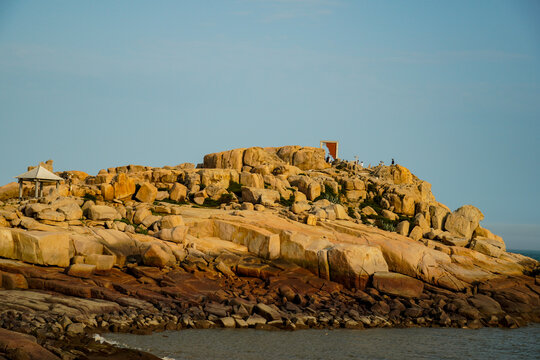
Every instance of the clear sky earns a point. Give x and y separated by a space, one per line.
451 89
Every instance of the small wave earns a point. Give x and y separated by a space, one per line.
102 340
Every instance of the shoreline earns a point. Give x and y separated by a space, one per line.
271 239
71 338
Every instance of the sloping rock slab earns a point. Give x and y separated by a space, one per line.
397 284
21 346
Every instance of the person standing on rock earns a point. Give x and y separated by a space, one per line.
392 161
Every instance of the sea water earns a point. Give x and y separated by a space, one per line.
398 344
384 344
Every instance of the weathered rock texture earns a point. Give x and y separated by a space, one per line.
257 237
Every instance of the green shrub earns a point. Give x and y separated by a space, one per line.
89 197
286 202
235 188
329 195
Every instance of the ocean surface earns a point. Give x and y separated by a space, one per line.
383 344
387 344
535 254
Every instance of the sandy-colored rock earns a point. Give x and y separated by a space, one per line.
397 284
351 264
107 191
403 228
305 251
420 220
23 347
464 221
387 214
156 256
311 188
258 241
260 196
9 191
101 262
86 244
251 180
11 281
219 177
81 270
369 211
416 233
51 215
311 220
178 192
175 234
150 220
119 244
147 193
170 221
103 213
124 187
7 245
71 211
396 173
141 214
339 210
438 216
487 246
300 207
41 247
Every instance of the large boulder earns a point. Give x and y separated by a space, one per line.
124 187
156 256
438 216
258 241
487 246
463 221
397 284
251 180
37 247
305 251
396 173
232 159
178 192
9 191
103 213
304 158
86 244
260 196
71 211
21 346
219 177
170 221
307 158
147 193
175 234
351 265
311 188
119 244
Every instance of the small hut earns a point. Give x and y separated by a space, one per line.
38 175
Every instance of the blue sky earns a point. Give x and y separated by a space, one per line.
449 89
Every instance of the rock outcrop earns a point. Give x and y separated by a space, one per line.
257 237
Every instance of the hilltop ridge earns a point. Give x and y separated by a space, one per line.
255 237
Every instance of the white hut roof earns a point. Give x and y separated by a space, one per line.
39 173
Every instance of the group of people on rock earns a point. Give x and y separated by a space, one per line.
330 159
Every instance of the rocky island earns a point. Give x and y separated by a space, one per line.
267 238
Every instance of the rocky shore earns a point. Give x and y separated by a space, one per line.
266 238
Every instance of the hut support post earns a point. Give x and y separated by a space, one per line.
37 189
20 189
